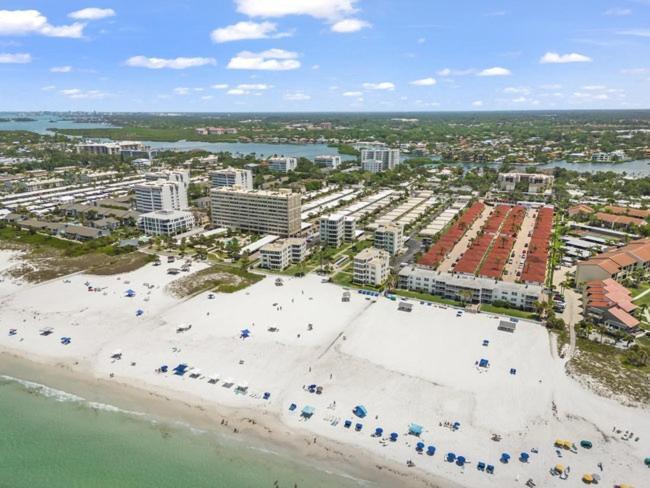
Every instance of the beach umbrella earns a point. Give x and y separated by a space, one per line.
451 457
360 411
460 460
379 431
431 450
419 446
415 429
267 395
358 427
559 468
523 457
587 478
393 436
505 457
647 461
347 424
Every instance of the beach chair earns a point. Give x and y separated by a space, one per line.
480 466
347 424
489 469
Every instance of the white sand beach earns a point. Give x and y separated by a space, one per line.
404 367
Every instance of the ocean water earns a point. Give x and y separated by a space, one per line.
52 439
42 122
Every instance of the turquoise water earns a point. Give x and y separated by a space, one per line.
56 440
42 123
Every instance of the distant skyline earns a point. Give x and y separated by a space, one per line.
324 55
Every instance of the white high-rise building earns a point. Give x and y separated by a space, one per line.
372 165
388 157
232 177
165 222
282 164
328 161
166 190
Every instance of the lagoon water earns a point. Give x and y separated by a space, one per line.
43 122
51 439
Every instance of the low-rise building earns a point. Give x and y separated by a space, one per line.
390 238
469 288
617 263
166 222
282 253
372 166
608 303
371 267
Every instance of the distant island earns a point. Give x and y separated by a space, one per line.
18 119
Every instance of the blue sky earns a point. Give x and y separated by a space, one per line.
324 55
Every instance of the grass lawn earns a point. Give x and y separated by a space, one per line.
512 312
426 297
644 300
220 278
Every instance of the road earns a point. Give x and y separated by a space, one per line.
573 310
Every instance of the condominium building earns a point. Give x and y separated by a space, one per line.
265 212
617 263
332 230
388 157
371 267
232 177
390 238
165 222
109 148
166 190
151 196
349 229
282 253
282 164
372 165
328 161
468 288
527 182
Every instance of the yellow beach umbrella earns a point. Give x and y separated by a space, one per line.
559 468
587 478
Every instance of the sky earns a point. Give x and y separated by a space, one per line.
324 55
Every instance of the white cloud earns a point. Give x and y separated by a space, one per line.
246 30
636 32
270 60
352 94
249 89
594 87
320 9
422 40
175 63
384 85
477 103
26 22
48 88
551 86
61 69
92 13
181 90
617 12
496 71
349 25
556 58
517 89
207 97
455 72
519 100
296 96
424 82
254 86
15 58
219 86
77 93
635 71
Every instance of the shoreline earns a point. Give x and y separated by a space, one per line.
263 431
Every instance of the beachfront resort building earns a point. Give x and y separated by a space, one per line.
468 288
282 164
232 177
166 190
526 182
390 238
281 254
165 222
389 158
326 161
371 267
264 212
617 263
